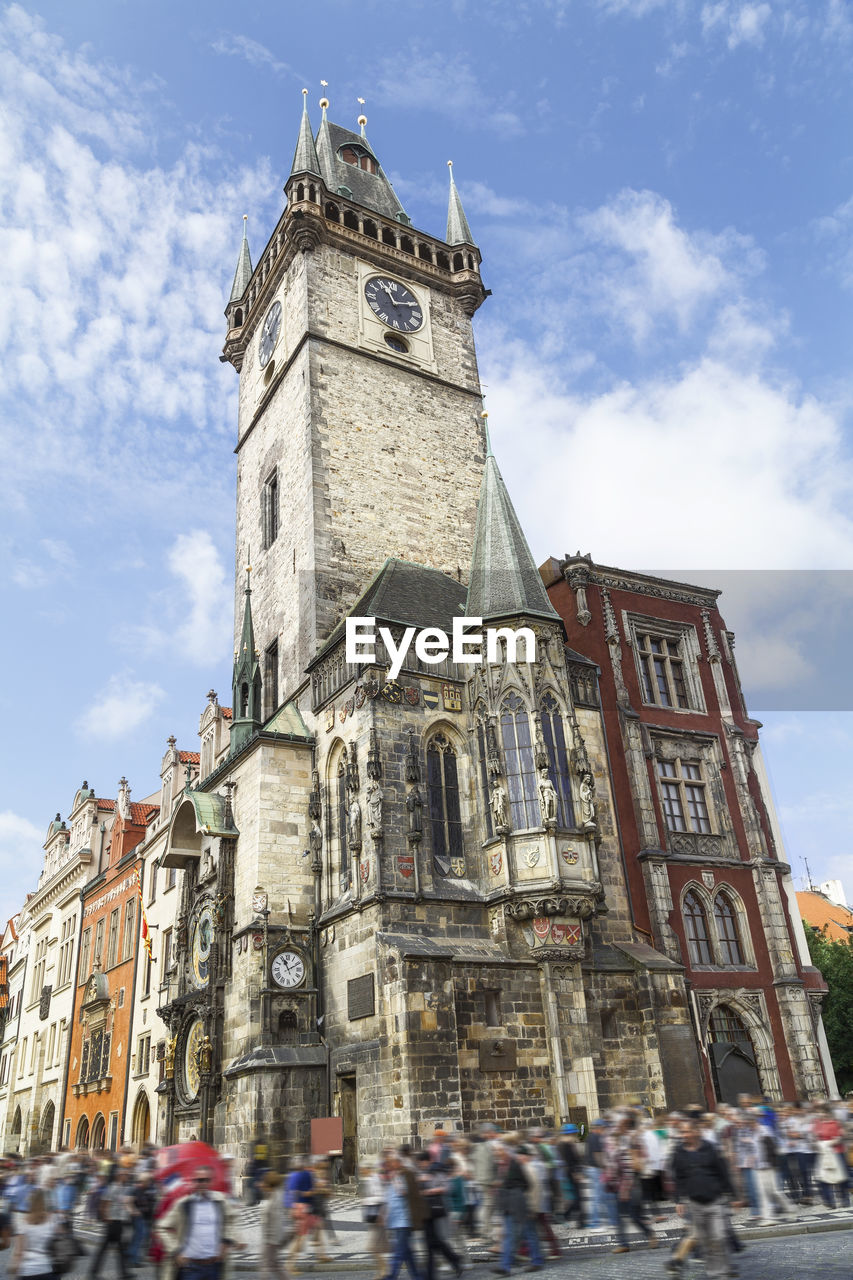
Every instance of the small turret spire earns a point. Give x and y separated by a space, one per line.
243 274
305 157
458 231
505 581
247 713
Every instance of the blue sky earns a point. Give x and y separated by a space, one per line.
663 194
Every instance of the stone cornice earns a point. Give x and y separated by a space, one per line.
66 877
643 583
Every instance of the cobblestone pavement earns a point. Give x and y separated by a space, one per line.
815 1245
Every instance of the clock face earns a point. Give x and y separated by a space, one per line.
394 304
202 940
269 333
288 969
191 1081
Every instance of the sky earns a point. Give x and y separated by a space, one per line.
662 191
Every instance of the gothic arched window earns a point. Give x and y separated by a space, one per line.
520 765
558 759
696 930
444 814
483 760
731 952
341 823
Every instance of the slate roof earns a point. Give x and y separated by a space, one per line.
305 157
288 720
243 274
505 581
373 190
458 231
406 593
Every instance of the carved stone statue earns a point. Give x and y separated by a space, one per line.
414 805
205 1057
354 823
169 1059
587 795
374 807
497 801
180 943
547 798
315 838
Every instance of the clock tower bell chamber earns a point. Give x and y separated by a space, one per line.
360 434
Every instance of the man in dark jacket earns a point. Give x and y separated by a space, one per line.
701 1179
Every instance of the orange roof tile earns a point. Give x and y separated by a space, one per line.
189 757
820 913
105 804
141 814
227 713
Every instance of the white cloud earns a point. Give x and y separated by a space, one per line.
115 276
35 571
741 23
190 618
448 86
120 708
255 53
206 629
836 230
20 861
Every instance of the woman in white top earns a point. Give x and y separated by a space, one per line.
31 1256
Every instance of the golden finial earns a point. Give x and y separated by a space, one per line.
324 103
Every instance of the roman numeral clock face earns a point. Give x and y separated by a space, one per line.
394 304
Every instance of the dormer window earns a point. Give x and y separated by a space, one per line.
358 156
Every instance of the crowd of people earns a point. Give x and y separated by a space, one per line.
503 1192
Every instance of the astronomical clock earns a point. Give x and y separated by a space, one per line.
192 1005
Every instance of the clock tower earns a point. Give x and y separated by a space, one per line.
359 435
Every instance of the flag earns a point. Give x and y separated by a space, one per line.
146 932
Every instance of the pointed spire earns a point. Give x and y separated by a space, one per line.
504 581
325 151
458 231
247 677
243 274
305 157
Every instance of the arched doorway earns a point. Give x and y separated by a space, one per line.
734 1062
99 1133
81 1142
141 1121
48 1120
16 1130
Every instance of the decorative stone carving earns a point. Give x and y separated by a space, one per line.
315 804
711 645
547 799
353 781
374 762
205 1057
354 823
587 799
413 766
315 840
374 807
414 806
578 578
498 805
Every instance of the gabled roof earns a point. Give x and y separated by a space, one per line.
407 593
189 757
142 813
105 804
505 581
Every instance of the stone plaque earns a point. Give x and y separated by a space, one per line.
360 998
497 1054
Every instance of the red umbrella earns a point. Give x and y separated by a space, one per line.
175 1172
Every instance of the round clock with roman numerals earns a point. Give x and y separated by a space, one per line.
394 304
269 333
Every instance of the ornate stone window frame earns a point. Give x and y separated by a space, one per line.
686 637
704 749
751 1007
708 899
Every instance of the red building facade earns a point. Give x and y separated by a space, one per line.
95 1112
704 859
